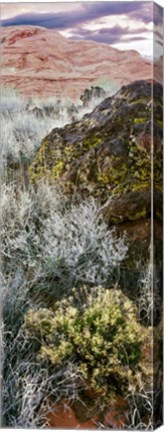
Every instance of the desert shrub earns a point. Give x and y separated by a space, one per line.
140 413
12 105
80 248
61 243
46 243
145 300
14 303
22 131
149 299
21 135
25 383
101 337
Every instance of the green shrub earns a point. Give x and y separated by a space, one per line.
102 338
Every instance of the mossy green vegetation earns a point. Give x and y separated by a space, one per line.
108 155
139 120
81 166
102 337
52 163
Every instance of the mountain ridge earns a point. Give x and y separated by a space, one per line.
42 62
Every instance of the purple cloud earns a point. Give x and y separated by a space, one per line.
86 12
110 36
143 11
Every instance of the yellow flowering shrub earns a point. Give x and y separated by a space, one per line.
102 337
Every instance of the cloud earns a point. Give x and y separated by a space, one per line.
84 13
48 20
110 36
143 13
111 22
135 39
135 8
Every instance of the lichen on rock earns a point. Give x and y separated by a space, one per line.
108 154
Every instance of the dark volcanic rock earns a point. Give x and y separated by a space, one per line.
108 154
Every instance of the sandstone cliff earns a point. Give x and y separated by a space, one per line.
41 62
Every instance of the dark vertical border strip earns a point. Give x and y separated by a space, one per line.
163 242
157 214
152 217
1 366
163 236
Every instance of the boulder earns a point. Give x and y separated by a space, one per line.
108 154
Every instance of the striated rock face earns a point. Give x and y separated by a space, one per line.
108 154
41 62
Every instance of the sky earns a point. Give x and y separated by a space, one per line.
121 24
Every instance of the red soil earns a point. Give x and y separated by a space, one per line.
62 416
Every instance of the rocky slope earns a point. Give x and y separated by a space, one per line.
108 154
37 61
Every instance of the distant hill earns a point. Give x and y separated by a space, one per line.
41 62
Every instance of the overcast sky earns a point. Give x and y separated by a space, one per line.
122 24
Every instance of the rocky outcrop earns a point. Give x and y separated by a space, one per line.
108 154
31 64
